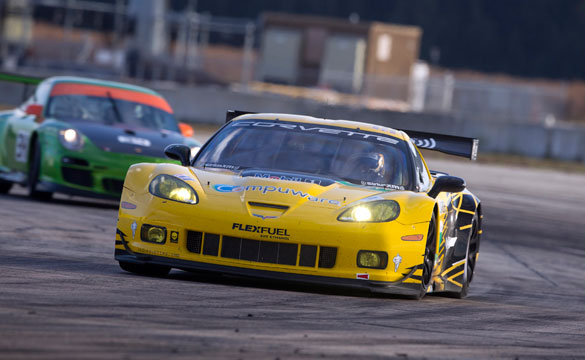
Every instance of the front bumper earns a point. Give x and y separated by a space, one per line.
91 172
278 253
397 288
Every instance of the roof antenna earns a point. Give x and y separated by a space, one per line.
326 107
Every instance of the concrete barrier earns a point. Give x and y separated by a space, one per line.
209 104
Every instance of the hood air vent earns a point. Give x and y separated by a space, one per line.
266 211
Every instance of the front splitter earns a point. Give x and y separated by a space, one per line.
397 288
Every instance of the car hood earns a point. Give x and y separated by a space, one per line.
266 189
129 140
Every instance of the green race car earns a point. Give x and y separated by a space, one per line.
79 136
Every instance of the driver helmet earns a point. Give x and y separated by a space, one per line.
371 166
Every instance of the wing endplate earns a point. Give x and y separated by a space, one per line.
448 144
231 114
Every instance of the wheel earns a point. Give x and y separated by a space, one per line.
145 269
5 186
470 258
429 259
33 175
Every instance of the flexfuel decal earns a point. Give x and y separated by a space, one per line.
264 231
270 189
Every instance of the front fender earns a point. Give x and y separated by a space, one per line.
140 175
415 208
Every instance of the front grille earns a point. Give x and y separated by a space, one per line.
287 253
327 257
74 161
231 247
113 185
270 252
259 251
308 255
210 244
77 176
194 239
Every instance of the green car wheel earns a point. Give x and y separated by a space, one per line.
33 175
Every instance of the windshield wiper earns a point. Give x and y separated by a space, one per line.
115 107
234 168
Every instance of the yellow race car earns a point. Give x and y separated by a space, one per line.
297 198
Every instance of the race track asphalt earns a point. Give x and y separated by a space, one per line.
62 295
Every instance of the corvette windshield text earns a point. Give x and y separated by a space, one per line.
349 133
271 189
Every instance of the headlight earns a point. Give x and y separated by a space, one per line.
71 139
153 234
172 188
372 211
372 259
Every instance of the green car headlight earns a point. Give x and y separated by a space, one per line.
172 188
71 139
372 211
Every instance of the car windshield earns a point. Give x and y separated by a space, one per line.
355 156
110 111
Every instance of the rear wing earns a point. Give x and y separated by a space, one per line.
27 82
232 114
23 79
448 144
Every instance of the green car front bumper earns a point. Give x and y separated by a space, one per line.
89 172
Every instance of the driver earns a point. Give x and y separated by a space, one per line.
371 167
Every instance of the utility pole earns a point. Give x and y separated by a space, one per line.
248 50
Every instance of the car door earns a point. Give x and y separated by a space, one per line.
16 138
18 130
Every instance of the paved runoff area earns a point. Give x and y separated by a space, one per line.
62 295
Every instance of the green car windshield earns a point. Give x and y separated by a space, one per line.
355 156
109 111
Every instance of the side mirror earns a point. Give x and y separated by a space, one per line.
34 109
447 184
179 152
186 129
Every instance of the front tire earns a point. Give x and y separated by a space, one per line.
34 173
145 269
470 258
429 259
